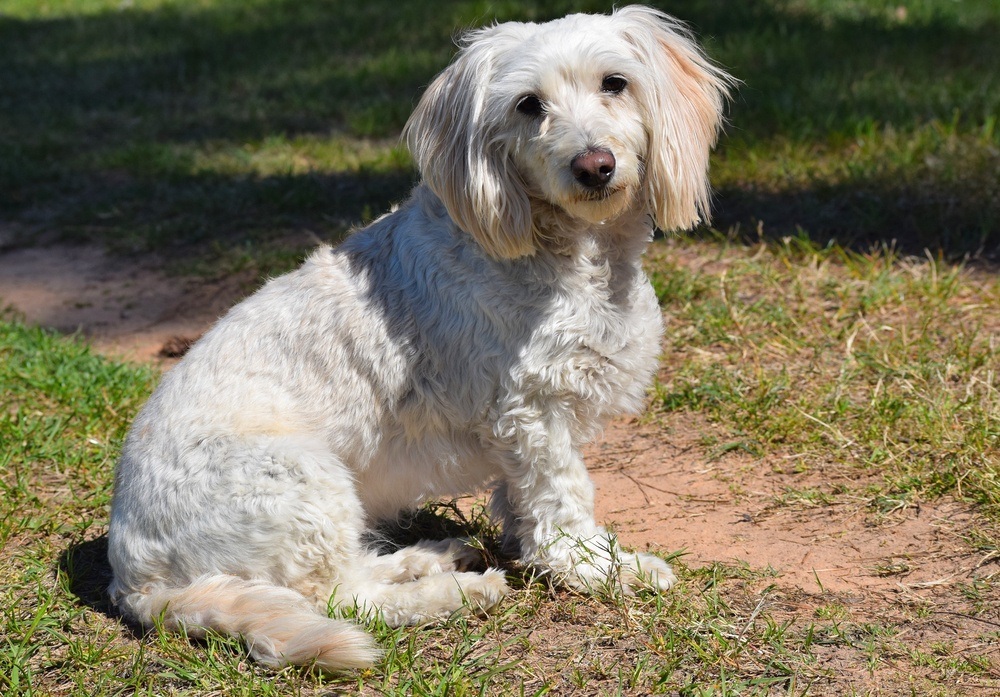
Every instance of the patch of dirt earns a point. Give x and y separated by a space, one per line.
657 483
128 308
659 489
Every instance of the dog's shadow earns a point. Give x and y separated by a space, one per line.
439 521
88 573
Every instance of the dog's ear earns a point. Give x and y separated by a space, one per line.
452 134
683 96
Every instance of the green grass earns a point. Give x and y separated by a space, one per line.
839 359
867 360
229 134
66 411
61 637
169 124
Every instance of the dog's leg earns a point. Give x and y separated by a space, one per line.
548 499
426 558
433 598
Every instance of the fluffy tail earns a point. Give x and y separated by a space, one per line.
278 624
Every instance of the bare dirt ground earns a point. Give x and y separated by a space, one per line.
657 482
127 309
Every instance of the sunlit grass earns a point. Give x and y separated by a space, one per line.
833 356
62 427
875 361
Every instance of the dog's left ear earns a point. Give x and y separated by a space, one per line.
452 136
683 97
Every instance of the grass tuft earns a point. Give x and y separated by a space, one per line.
884 364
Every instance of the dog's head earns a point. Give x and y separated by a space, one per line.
592 114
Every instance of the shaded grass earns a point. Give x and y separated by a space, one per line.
169 124
159 125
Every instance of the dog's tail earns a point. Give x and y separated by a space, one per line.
279 625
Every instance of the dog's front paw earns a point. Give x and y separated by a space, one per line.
647 571
599 565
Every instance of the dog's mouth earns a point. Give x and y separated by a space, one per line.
598 195
600 204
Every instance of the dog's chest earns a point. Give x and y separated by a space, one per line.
595 344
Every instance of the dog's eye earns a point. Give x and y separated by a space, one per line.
615 84
530 105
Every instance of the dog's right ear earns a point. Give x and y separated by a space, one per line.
452 136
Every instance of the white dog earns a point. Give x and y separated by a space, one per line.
478 335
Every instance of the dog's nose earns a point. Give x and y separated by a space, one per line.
593 168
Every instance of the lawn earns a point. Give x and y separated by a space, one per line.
841 314
164 124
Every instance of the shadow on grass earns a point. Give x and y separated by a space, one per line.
183 214
95 107
912 218
439 521
104 115
88 573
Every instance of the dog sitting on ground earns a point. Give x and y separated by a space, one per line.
477 336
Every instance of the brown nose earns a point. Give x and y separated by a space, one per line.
593 168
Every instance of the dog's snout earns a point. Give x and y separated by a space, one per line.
594 168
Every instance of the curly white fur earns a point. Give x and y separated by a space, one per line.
478 335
